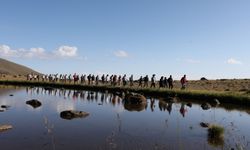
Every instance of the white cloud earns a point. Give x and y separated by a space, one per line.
66 51
40 53
120 53
35 52
6 51
192 61
234 61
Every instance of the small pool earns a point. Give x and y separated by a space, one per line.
113 125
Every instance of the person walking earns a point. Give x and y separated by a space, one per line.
183 82
170 82
153 81
140 82
146 79
131 80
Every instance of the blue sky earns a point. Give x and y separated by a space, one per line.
196 37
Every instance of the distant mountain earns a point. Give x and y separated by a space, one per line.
8 67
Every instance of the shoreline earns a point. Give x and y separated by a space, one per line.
202 96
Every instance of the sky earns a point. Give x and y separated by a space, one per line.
199 38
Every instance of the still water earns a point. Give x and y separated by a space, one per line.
111 125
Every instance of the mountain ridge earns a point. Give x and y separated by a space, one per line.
12 68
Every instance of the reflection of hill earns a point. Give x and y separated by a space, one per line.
8 89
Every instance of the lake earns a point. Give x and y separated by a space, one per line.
113 125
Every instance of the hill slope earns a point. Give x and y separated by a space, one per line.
11 68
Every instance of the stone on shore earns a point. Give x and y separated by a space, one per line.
5 127
205 106
204 124
134 98
34 103
71 114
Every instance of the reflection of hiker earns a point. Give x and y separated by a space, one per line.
183 82
183 110
152 104
169 108
153 81
170 82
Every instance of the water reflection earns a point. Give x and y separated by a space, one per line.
112 124
115 100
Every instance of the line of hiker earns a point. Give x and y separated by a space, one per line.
113 80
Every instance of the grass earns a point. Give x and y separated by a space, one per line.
216 135
202 95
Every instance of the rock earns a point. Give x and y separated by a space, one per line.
205 106
34 103
100 104
71 114
11 95
1 110
134 98
204 125
189 105
5 127
204 79
5 106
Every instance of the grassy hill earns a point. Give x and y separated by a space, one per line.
11 68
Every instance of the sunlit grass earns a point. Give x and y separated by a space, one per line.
216 135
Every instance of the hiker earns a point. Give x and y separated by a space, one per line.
165 82
183 82
131 80
97 80
146 81
106 78
93 79
111 79
119 80
43 78
170 82
103 79
114 80
82 79
124 81
161 82
89 79
153 81
140 82
69 78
